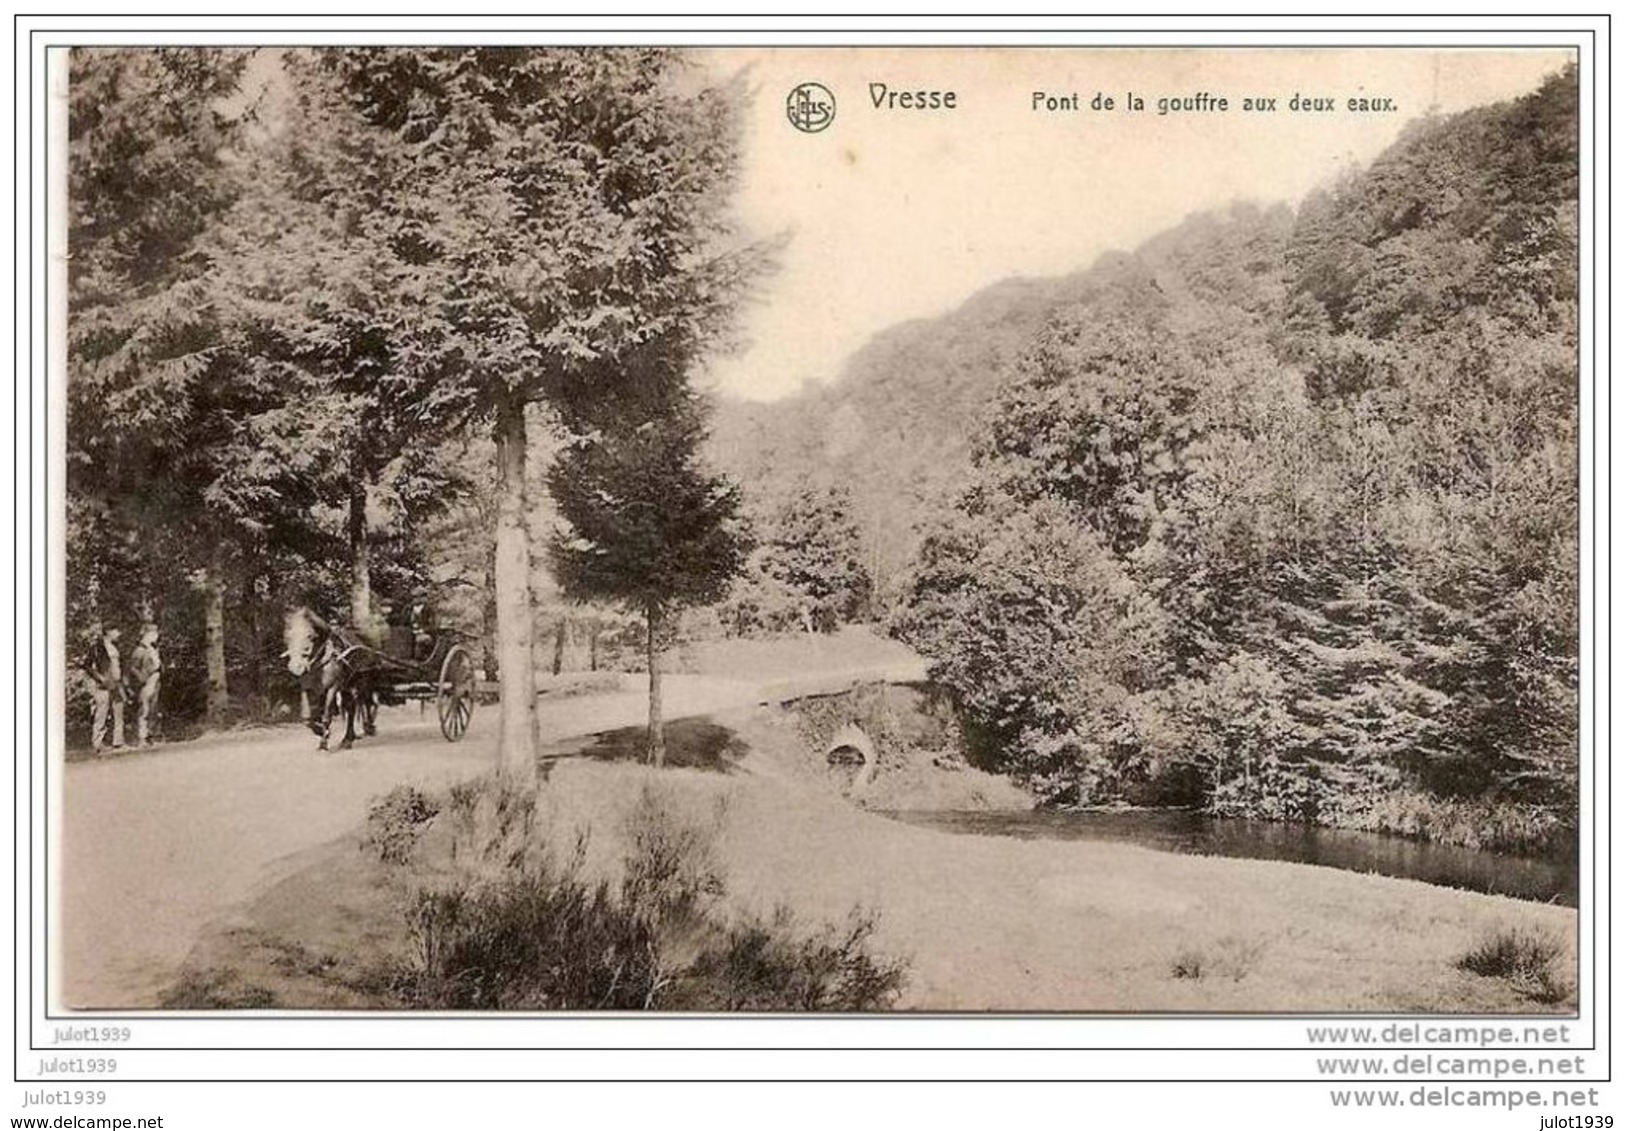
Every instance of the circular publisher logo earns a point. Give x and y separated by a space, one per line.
810 107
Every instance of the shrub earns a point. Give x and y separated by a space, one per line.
508 925
671 878
1231 957
1188 964
1525 959
492 825
499 921
1269 790
1041 633
395 821
542 939
766 964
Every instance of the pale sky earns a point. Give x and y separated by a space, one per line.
899 214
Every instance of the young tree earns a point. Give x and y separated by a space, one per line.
648 527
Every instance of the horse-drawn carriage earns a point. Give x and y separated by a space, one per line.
341 672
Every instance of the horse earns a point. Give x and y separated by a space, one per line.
323 657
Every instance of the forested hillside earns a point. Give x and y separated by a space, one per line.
1277 515
895 430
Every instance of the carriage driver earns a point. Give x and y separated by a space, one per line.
398 638
427 616
142 674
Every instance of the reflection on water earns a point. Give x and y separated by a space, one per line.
1522 877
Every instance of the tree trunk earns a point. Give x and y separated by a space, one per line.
558 646
254 598
592 645
360 556
488 616
516 741
217 702
657 732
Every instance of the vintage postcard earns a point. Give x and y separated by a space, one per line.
881 529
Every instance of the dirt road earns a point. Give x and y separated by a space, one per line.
155 845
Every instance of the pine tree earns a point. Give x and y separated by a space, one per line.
646 525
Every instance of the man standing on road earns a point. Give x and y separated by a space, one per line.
145 667
107 691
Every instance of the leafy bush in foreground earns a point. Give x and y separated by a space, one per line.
540 940
765 964
509 926
395 821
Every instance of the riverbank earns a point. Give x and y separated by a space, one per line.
1540 879
982 922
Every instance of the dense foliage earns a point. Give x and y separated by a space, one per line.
317 294
809 570
645 523
1281 515
153 400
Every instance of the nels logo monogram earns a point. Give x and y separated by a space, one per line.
810 107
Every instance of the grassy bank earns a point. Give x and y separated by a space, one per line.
1469 823
980 923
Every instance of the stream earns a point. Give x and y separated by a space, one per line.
1544 879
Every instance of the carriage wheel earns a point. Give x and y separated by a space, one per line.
456 697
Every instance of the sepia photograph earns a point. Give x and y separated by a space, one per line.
871 530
